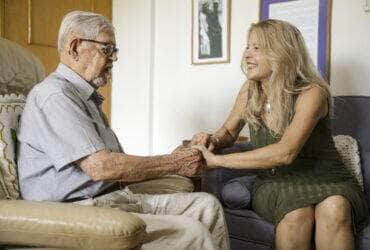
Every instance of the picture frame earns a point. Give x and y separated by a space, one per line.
313 19
210 31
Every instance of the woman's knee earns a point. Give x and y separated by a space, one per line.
301 217
334 210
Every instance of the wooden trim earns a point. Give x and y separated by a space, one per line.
2 17
29 27
92 5
29 22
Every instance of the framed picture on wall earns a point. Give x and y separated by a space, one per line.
210 31
312 18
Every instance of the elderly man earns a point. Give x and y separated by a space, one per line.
67 152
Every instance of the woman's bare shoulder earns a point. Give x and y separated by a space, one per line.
314 97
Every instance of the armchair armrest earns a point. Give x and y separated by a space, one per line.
52 224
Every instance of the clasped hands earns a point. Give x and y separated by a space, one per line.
198 154
206 143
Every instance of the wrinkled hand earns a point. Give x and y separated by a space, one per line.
188 160
211 159
203 139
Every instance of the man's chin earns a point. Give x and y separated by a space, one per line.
99 82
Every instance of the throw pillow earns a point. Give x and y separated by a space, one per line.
11 107
348 150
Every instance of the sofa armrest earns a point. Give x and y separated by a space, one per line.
52 224
213 180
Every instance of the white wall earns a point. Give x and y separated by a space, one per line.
132 77
350 50
159 98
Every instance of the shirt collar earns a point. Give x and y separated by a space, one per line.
82 86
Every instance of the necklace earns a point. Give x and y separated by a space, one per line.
268 107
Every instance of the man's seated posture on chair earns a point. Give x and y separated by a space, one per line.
67 151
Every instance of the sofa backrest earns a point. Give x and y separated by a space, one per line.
352 117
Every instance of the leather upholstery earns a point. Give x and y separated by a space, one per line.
52 224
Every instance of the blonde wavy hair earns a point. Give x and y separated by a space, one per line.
292 73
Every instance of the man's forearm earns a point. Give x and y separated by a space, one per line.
105 165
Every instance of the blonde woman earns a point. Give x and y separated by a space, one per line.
303 187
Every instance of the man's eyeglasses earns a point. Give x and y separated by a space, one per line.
108 49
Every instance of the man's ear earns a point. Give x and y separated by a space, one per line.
73 45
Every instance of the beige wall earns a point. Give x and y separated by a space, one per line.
159 98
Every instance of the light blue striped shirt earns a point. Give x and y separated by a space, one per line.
61 123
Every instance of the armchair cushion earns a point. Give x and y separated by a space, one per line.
67 225
11 107
164 185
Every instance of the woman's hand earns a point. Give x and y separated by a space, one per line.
211 159
203 139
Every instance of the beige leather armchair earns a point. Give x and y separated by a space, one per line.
53 224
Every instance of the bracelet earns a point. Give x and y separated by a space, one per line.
215 140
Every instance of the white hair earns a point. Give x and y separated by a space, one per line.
87 25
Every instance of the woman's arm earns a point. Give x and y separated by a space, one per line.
310 107
229 131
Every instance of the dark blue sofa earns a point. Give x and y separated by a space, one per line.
246 229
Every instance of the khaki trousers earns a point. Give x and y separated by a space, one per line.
174 221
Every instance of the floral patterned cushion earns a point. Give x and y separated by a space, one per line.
11 107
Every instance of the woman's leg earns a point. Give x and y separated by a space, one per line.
295 230
334 224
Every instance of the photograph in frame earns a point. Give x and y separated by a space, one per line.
210 31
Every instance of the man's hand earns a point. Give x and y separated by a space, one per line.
188 161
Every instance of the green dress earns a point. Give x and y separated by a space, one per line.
314 175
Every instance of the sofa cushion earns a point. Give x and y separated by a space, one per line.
351 116
348 150
247 226
11 107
